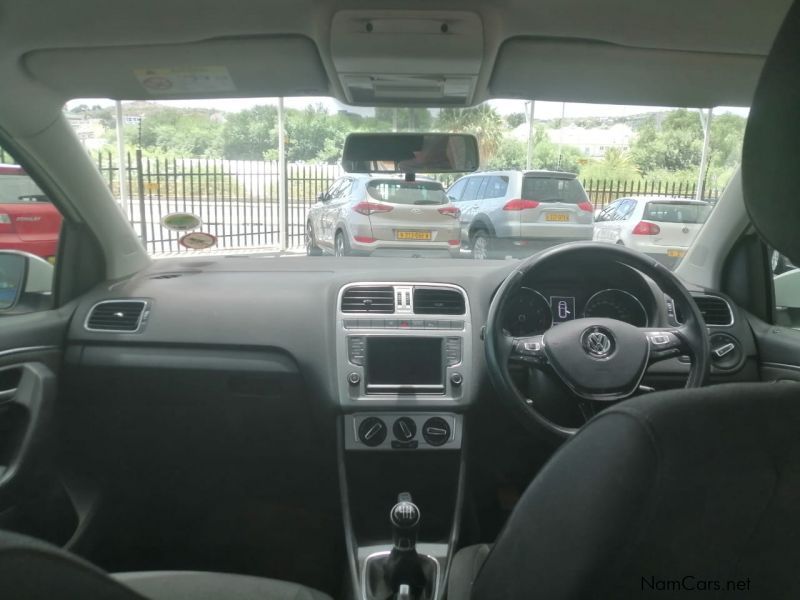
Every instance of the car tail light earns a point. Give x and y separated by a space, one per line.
364 239
646 228
368 208
586 206
450 211
454 242
5 223
520 204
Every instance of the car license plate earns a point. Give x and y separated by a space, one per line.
675 253
413 235
556 216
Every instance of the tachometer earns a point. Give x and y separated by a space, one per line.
616 304
527 313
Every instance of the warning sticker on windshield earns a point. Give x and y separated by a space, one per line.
185 80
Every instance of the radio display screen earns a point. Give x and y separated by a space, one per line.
404 361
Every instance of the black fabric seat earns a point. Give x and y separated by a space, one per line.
659 494
33 570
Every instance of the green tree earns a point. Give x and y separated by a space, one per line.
314 135
511 154
250 133
483 121
674 144
516 119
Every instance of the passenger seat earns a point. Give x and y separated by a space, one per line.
34 570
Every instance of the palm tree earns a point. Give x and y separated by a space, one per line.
482 121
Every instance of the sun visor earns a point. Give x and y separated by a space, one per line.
771 152
252 67
598 72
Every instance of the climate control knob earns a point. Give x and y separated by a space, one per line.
372 431
436 431
404 429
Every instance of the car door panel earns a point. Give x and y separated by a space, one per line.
30 359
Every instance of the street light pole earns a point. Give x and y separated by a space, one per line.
529 161
705 119
283 206
122 161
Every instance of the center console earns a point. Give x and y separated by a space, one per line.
404 376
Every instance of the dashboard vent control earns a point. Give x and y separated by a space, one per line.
715 310
438 301
117 315
372 432
436 431
368 299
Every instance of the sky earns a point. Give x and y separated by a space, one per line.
542 111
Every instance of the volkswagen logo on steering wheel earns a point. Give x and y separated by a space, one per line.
597 342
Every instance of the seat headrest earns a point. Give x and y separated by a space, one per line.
771 152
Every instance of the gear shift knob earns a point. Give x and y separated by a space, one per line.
405 518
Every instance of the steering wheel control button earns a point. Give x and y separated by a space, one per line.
456 379
372 432
598 342
659 339
353 378
404 429
436 431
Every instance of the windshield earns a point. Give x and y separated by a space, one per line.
219 176
676 212
552 189
406 192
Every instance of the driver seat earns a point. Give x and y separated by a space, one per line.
681 491
669 492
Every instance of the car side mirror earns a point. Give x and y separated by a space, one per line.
25 282
787 289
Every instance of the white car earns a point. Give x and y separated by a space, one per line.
379 215
661 227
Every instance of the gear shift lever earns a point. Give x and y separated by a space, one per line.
403 568
405 523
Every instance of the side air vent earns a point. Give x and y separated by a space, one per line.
438 301
715 310
117 315
368 299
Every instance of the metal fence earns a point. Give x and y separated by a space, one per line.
237 201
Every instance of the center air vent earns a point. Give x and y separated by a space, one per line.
438 301
715 310
116 315
368 299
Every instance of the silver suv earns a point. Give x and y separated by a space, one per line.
383 216
519 212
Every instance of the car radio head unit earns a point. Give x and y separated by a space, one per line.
404 364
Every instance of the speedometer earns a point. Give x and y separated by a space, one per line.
527 313
616 304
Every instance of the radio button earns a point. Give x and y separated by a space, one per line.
354 378
456 379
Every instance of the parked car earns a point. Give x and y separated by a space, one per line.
379 215
516 212
661 227
28 221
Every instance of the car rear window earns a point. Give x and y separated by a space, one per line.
407 192
19 189
552 189
676 212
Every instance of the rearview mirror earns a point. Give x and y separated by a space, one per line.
410 153
25 281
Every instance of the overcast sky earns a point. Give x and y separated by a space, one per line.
543 110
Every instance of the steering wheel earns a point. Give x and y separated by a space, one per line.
600 361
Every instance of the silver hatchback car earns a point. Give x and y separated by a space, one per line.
383 216
519 212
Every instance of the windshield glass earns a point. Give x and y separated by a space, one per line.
406 192
676 212
553 189
219 176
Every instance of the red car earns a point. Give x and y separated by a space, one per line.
28 221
